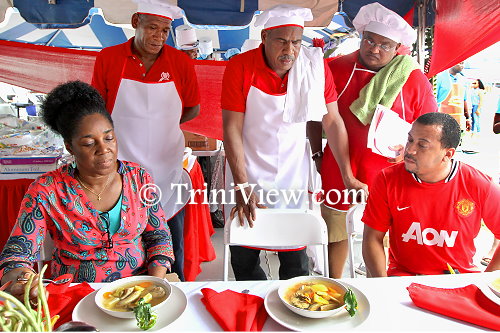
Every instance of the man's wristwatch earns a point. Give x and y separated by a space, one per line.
316 155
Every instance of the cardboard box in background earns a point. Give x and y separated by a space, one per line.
199 142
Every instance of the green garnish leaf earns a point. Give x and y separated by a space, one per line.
351 303
145 316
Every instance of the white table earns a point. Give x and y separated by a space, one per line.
391 308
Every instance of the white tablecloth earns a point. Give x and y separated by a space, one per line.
390 305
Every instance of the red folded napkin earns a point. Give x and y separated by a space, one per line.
466 303
235 311
63 298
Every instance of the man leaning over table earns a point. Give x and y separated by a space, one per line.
363 80
432 206
268 95
150 89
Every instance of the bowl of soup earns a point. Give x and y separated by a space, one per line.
495 286
119 298
313 296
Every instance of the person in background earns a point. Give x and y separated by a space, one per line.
206 49
496 119
477 101
496 129
362 82
186 40
151 88
268 95
231 53
451 95
427 235
92 209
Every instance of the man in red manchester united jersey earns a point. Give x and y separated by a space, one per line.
431 205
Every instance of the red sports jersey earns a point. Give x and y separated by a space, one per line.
418 99
117 62
250 68
432 224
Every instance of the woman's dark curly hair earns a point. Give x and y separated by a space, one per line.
66 105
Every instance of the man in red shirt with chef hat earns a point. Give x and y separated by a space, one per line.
151 88
375 74
268 96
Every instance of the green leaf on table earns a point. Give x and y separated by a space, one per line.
351 303
145 316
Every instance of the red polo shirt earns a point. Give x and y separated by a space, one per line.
117 62
249 68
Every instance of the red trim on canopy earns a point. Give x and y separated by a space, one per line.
42 68
462 29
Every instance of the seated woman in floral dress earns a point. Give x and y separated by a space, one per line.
103 226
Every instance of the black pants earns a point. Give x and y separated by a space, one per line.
246 264
176 225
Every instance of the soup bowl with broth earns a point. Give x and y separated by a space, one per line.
119 297
313 296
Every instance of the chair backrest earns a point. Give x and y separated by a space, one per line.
46 251
354 227
277 228
353 219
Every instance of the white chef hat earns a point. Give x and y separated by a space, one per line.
377 19
250 44
206 46
185 37
159 8
284 15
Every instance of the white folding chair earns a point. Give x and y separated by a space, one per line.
46 251
354 227
277 227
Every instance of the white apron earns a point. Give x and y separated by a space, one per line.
146 118
276 155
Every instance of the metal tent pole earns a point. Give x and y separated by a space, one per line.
422 9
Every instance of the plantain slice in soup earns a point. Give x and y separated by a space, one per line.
125 298
313 297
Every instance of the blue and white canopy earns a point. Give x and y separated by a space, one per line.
99 33
95 35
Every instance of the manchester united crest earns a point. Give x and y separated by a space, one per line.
464 207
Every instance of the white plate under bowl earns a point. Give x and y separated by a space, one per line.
341 321
87 311
496 291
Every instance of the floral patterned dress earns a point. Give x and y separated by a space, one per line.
56 203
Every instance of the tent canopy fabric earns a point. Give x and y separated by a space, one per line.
99 33
451 45
95 35
41 68
200 12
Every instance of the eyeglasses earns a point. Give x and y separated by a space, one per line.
108 244
383 47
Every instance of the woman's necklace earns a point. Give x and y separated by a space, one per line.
98 195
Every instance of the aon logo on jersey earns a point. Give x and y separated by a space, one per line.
430 236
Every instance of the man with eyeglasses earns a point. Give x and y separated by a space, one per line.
362 80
